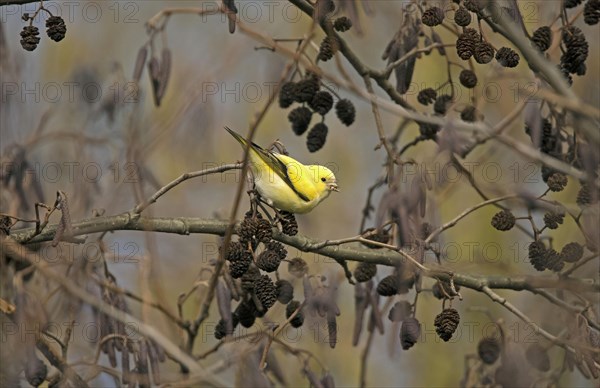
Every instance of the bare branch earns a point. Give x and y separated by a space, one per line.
465 213
539 63
17 2
537 329
188 175
59 363
186 226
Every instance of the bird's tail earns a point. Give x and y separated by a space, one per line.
237 137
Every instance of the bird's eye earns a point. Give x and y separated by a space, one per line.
323 179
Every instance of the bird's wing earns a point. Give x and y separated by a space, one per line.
273 161
300 176
281 169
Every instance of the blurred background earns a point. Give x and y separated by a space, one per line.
73 111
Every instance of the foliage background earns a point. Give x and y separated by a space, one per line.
185 134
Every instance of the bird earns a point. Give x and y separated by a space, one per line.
285 183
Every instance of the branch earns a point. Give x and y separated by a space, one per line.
465 213
17 2
380 131
402 109
537 329
60 363
544 67
186 226
361 69
363 359
533 57
415 51
188 175
157 306
8 245
164 14
575 106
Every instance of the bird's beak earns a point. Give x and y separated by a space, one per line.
334 187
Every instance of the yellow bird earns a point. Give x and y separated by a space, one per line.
285 183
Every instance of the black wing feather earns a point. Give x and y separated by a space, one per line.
281 169
269 158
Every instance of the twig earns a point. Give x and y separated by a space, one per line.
275 332
564 305
17 219
578 264
465 213
475 186
410 144
548 70
188 175
380 131
538 156
537 329
363 359
153 22
415 51
368 207
158 306
562 101
214 349
60 363
498 128
39 225
61 135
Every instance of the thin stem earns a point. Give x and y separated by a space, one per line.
579 264
465 213
537 329
363 359
182 178
381 132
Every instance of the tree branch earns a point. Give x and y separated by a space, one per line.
399 107
60 363
188 225
540 64
537 329
17 2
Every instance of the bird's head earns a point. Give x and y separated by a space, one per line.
325 180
